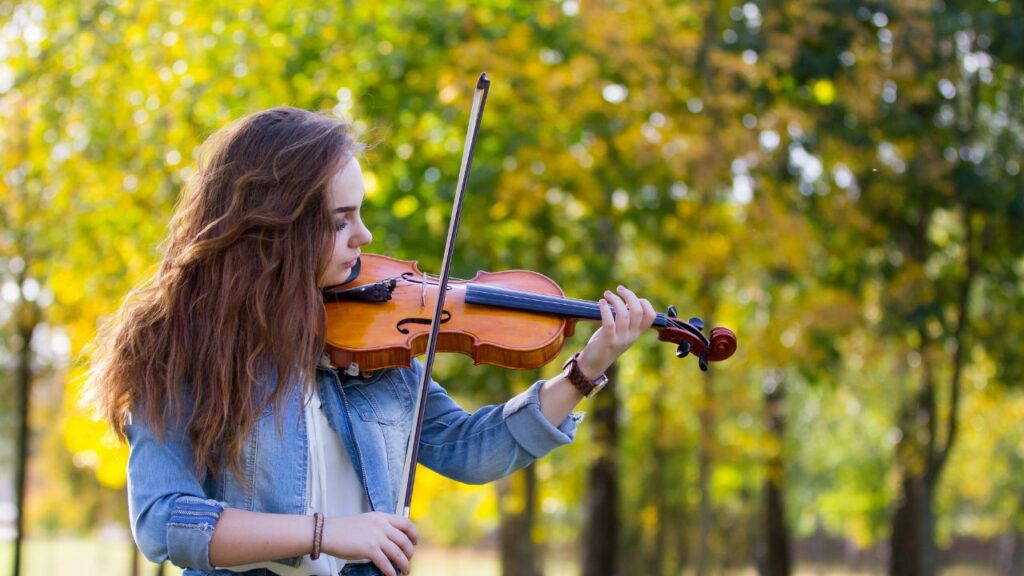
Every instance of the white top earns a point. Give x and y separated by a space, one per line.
332 488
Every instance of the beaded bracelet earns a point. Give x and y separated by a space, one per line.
318 534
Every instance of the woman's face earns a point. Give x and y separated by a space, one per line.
345 191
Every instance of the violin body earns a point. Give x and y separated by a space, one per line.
516 319
376 335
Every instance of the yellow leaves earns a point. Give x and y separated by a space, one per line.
910 289
716 247
824 91
451 512
989 448
726 481
448 94
91 442
437 219
855 508
513 500
649 520
453 90
498 211
405 206
834 312
112 471
372 183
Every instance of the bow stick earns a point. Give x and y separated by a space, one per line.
412 452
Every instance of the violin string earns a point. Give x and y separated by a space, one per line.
507 292
567 305
570 305
574 305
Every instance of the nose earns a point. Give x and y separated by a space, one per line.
363 236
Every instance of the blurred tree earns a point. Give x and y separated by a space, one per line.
940 127
26 244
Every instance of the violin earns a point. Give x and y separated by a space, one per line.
381 316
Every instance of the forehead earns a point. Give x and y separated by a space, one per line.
346 185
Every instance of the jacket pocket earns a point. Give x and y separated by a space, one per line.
383 399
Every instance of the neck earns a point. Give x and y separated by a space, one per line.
541 303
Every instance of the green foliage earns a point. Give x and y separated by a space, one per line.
805 172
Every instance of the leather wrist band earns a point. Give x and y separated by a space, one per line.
587 387
318 534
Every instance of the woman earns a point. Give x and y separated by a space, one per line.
248 451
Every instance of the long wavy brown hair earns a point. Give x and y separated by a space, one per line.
236 296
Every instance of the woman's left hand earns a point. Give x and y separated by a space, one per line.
617 333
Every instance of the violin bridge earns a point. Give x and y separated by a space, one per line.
423 291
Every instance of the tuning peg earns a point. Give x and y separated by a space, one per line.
671 312
697 323
703 362
683 350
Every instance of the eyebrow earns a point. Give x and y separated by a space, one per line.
344 209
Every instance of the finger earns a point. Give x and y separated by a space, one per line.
396 555
380 560
606 314
402 540
649 314
621 315
407 527
636 311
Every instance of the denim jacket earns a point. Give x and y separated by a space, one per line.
173 513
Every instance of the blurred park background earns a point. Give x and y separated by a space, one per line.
838 181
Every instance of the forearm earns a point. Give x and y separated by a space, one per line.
557 399
243 537
495 440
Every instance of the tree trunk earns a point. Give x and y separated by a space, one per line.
658 471
135 560
922 454
705 520
28 319
1009 554
776 559
1011 546
517 496
600 533
705 514
913 549
601 519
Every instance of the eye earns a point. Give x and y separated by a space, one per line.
341 225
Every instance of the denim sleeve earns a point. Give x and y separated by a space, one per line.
492 442
171 517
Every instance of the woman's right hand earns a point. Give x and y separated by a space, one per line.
384 539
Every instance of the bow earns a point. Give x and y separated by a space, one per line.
412 452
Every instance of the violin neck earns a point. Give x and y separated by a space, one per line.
540 303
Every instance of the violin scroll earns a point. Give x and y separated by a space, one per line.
689 335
